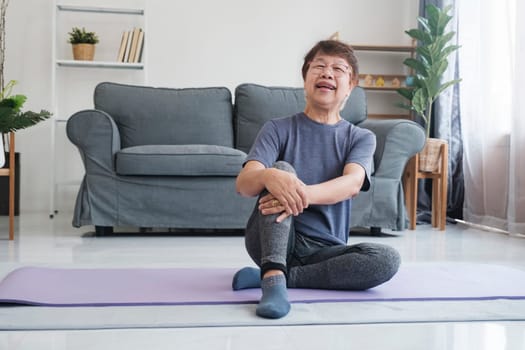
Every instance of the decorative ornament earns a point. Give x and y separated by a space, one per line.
396 83
369 80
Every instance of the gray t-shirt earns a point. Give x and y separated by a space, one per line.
318 152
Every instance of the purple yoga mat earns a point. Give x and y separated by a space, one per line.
180 286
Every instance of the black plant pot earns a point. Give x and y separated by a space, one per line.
4 187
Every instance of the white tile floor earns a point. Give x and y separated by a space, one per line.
44 242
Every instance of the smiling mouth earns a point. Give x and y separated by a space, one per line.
325 86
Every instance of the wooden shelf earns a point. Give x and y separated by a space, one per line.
139 12
390 116
439 189
407 50
383 48
99 64
388 80
385 76
381 88
105 21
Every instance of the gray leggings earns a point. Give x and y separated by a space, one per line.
312 263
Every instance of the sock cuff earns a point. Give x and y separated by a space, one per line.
275 280
273 266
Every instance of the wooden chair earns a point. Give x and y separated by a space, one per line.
11 173
439 189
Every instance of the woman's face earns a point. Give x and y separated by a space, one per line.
328 81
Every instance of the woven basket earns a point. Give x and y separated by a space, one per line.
83 52
430 156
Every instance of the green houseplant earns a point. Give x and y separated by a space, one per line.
429 65
12 118
83 43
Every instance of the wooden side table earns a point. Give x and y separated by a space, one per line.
439 189
11 173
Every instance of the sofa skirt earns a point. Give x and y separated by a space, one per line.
161 202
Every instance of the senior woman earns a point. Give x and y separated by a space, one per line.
306 168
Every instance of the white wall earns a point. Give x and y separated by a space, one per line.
190 44
230 41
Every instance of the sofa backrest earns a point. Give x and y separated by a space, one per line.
256 104
164 116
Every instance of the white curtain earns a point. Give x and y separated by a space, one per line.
492 100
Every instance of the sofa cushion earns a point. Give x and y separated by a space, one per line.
153 116
179 160
256 104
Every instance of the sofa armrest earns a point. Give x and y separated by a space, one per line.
97 137
397 141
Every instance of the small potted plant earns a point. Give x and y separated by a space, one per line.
83 44
429 66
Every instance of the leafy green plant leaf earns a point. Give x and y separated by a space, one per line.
419 35
419 102
443 19
405 106
433 14
447 51
447 85
81 36
430 62
424 54
12 121
11 117
406 93
440 68
424 23
418 66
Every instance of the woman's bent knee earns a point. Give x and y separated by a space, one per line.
282 165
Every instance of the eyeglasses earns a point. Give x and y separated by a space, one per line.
338 70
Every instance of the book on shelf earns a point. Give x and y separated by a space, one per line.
140 46
134 42
122 48
131 46
128 46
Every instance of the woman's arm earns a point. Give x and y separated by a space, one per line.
338 189
332 191
282 185
250 182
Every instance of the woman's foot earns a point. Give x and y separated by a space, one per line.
247 277
274 302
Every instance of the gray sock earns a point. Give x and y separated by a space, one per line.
274 302
247 277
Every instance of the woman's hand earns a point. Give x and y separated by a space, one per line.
287 194
269 205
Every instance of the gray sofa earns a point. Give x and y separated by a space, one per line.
168 158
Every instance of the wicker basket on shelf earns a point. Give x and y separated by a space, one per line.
430 156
